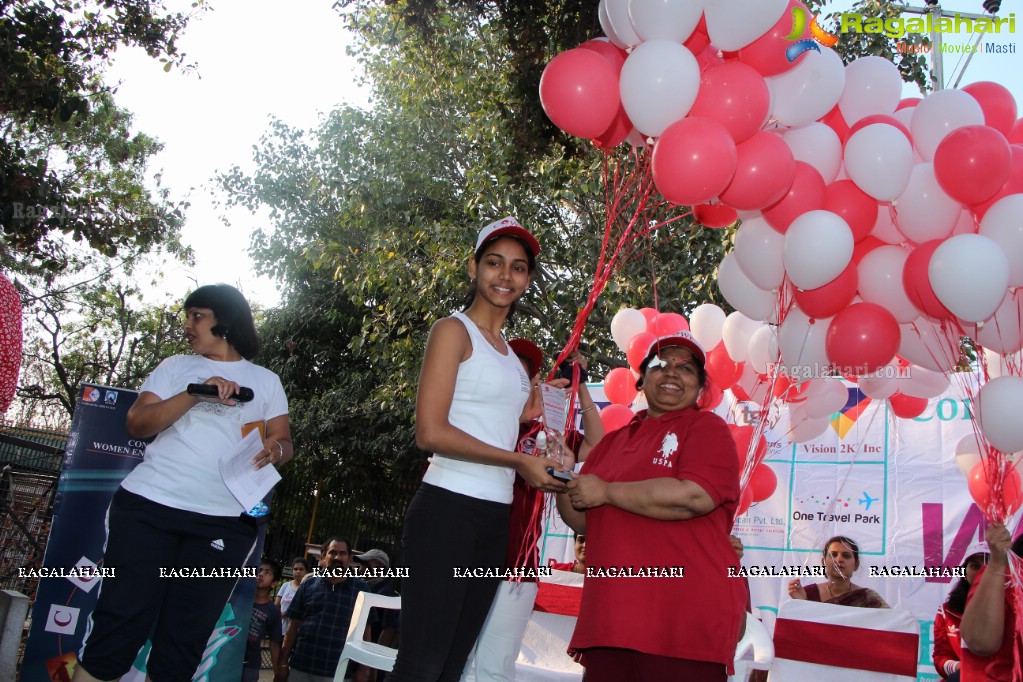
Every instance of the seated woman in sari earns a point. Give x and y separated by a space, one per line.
841 559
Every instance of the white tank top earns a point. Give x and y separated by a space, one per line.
490 391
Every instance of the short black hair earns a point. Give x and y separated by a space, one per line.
478 256
336 538
234 316
851 544
301 560
274 566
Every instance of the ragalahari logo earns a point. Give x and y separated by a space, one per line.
799 20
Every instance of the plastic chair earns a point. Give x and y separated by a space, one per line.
757 640
359 650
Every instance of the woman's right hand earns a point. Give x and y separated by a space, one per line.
533 471
796 590
225 390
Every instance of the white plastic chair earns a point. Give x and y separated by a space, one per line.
359 650
757 640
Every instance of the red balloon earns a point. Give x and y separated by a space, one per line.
694 160
764 172
710 57
1016 134
637 349
997 103
850 203
865 246
734 95
721 368
617 133
906 406
743 437
650 314
834 120
698 41
972 163
766 54
745 500
917 283
980 490
763 482
908 102
1014 185
880 118
714 215
666 324
710 397
826 301
607 49
862 338
579 92
614 417
807 193
10 341
620 386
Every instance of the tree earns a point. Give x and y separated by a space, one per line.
69 164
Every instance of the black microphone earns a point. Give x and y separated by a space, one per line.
243 395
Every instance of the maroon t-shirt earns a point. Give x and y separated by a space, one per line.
694 617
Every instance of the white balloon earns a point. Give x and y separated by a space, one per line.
758 250
1003 223
658 85
734 24
940 113
755 387
884 227
873 85
606 27
618 15
879 159
801 347
967 453
665 19
1003 331
924 211
969 274
808 91
923 383
760 357
825 397
997 405
736 333
1000 365
802 427
742 294
929 344
818 247
705 323
881 385
626 323
880 282
818 145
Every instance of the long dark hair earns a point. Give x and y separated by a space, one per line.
851 544
957 597
478 256
234 316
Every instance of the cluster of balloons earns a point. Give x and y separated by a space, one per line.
633 331
10 341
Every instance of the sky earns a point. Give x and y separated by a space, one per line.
258 58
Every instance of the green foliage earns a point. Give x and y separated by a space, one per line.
69 165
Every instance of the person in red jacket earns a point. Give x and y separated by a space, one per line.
947 648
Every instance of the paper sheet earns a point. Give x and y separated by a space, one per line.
248 485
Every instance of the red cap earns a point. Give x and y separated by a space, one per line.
507 227
530 352
681 339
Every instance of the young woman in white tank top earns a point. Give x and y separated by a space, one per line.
472 394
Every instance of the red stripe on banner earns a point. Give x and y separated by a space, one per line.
563 600
842 646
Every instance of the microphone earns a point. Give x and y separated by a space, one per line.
243 395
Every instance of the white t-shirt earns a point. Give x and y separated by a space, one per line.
180 468
490 391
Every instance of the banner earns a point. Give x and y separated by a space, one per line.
890 484
99 455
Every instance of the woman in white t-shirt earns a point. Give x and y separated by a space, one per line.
472 394
174 511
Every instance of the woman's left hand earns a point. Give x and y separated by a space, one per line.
587 491
272 453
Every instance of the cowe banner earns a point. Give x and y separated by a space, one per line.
99 455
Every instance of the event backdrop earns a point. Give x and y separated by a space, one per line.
99 455
890 484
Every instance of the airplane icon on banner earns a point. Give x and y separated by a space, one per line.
867 500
